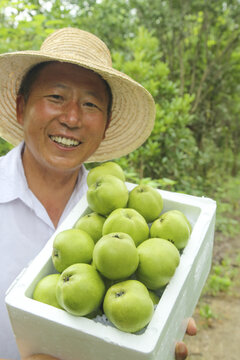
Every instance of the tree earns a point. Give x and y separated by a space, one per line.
171 150
199 41
4 147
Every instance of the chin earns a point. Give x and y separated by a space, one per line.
63 165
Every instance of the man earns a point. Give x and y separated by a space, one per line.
61 106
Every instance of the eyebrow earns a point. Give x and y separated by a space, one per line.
95 94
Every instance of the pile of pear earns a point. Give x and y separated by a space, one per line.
119 256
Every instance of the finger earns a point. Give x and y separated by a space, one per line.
191 327
40 357
181 351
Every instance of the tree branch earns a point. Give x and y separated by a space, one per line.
228 48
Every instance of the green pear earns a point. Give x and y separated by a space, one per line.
128 221
171 226
106 168
108 282
93 314
80 289
158 260
45 290
115 256
107 194
184 217
147 201
71 246
91 223
155 298
128 306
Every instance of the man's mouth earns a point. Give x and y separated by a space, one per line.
64 141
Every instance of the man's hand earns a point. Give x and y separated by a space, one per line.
181 351
40 357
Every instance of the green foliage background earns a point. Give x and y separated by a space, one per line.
186 53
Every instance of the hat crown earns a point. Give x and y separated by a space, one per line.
78 45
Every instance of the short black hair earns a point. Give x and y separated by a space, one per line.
32 74
29 79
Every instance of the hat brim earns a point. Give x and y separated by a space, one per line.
133 108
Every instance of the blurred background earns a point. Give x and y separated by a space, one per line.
187 54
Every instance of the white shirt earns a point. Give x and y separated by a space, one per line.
25 227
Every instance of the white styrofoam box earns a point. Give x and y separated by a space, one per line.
40 328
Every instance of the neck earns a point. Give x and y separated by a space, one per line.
53 188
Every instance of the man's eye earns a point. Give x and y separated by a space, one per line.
89 104
56 97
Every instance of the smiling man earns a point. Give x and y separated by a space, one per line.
64 120
61 106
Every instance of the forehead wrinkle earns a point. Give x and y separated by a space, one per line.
61 85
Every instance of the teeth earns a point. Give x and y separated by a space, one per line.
65 141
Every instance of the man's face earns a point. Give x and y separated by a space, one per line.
65 116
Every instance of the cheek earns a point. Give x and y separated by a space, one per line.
35 118
32 127
96 127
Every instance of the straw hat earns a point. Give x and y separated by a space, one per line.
133 108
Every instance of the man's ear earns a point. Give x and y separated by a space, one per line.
20 106
109 118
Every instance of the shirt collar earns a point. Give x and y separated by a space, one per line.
13 182
79 190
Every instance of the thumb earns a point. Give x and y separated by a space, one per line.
181 351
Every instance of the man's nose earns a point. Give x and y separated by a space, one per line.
72 114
